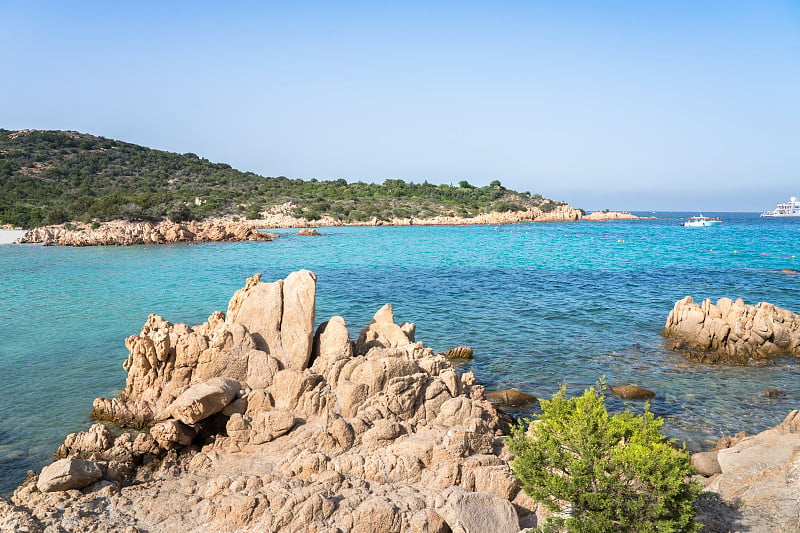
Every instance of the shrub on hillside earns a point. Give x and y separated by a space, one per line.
601 472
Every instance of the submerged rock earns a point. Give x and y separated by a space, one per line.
509 398
632 392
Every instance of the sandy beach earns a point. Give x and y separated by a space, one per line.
7 236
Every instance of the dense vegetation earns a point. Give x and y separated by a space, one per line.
50 177
603 473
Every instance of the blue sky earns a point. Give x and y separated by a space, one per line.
619 105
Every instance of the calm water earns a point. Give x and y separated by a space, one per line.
540 304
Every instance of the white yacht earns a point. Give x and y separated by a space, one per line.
786 209
701 221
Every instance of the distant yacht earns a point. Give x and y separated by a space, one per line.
787 209
701 221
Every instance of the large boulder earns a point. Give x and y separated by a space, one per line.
67 474
202 400
476 512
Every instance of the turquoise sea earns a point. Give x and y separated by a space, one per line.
540 304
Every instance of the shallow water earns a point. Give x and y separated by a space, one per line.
540 304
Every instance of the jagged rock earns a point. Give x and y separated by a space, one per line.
67 474
732 332
362 440
87 443
459 352
308 232
202 400
476 512
297 323
279 316
382 332
172 433
17 520
632 392
509 398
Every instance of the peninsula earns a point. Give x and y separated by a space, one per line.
75 182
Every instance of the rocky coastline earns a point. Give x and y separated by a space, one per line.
254 421
229 230
257 421
602 216
122 233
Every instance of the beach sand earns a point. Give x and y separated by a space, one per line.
7 236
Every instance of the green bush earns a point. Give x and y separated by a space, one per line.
601 472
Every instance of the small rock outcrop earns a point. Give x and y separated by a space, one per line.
602 216
732 332
254 421
459 352
308 232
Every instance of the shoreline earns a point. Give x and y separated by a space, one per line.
227 229
9 236
375 423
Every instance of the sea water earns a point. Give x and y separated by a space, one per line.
540 304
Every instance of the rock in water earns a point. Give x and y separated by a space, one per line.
509 398
732 332
459 352
632 392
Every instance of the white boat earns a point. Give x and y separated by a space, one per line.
701 221
786 209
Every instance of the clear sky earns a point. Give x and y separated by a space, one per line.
634 105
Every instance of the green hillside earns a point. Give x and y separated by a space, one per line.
50 177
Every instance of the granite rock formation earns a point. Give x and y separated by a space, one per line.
757 479
255 422
732 332
602 216
130 233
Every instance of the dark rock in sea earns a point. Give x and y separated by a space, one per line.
459 352
632 392
509 398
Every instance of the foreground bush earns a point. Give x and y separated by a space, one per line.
603 473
